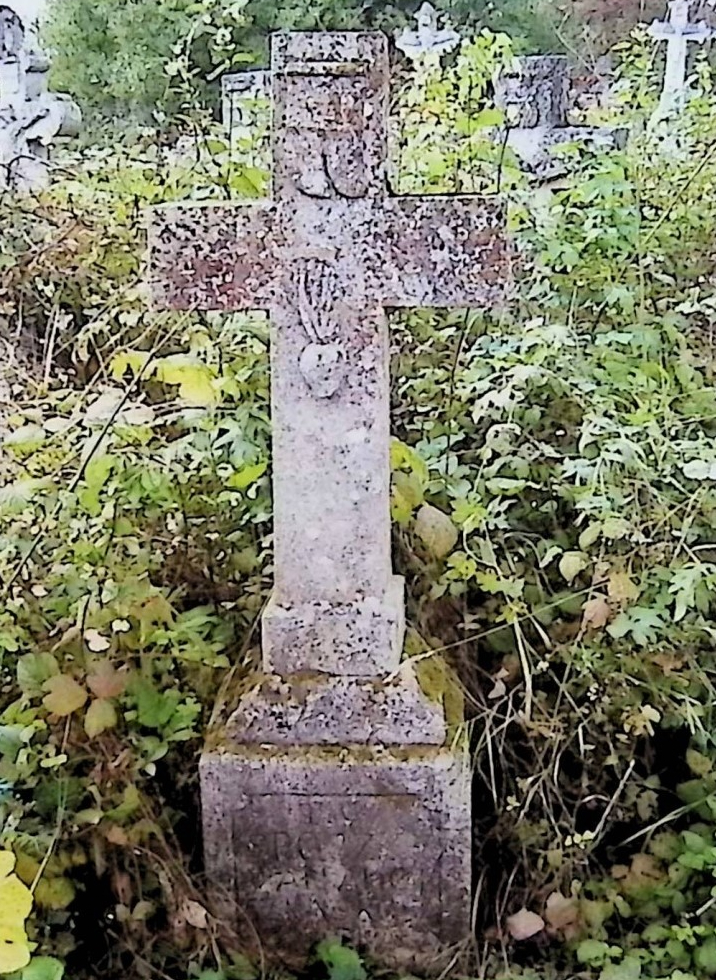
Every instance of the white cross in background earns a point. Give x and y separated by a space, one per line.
429 38
677 32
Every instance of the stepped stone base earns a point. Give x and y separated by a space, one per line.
370 844
363 638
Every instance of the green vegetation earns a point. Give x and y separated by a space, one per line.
127 62
565 450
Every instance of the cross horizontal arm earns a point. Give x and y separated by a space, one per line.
211 257
445 252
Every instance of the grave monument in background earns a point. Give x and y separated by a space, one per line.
31 118
336 799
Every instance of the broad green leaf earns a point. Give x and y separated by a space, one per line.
247 475
33 671
341 962
571 564
43 968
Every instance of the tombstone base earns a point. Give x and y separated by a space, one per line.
538 149
366 634
366 844
317 709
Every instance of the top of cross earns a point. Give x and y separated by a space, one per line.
679 25
429 38
12 34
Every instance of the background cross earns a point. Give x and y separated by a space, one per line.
678 31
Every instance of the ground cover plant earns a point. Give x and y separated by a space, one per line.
554 496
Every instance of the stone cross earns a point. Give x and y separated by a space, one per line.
535 100
678 31
242 97
333 799
429 38
30 117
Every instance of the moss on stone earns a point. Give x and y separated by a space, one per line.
437 680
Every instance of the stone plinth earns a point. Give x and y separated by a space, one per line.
536 95
367 844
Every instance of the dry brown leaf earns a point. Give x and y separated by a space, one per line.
524 924
669 662
562 915
596 613
105 681
194 914
115 835
644 871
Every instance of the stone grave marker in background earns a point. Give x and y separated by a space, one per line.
678 32
535 99
31 118
244 99
336 799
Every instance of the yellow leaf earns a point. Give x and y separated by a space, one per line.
64 695
100 716
622 590
15 906
195 380
14 949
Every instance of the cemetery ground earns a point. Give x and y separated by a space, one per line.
553 503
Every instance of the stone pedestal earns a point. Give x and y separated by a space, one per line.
367 844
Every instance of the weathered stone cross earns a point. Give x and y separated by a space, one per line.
678 31
331 802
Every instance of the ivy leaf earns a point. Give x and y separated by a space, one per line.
435 530
64 695
100 716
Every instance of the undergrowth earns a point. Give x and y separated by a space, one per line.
554 498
